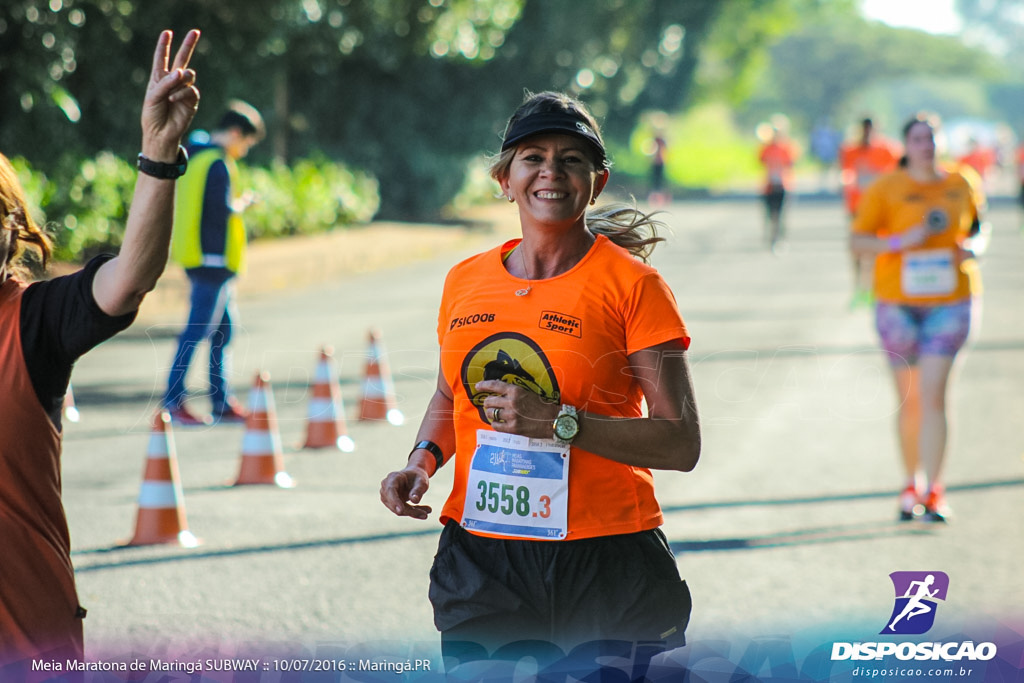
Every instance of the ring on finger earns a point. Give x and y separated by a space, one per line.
496 415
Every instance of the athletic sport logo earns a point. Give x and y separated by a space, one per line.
917 594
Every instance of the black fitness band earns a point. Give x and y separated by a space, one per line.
434 449
159 169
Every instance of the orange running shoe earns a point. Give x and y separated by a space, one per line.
935 507
910 502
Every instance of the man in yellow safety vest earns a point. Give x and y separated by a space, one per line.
209 243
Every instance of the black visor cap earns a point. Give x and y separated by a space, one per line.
552 122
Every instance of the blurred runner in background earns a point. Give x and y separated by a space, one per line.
924 223
862 162
777 155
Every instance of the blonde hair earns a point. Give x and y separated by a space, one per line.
628 227
625 225
18 231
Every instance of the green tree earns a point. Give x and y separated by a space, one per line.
817 69
416 115
410 90
998 26
736 55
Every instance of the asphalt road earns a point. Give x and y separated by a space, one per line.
787 526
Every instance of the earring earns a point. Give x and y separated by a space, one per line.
510 200
593 200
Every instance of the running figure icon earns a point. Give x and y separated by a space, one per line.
917 591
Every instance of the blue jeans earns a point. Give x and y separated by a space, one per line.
210 318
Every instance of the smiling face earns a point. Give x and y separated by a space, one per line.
919 144
553 177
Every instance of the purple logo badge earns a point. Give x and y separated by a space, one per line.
917 595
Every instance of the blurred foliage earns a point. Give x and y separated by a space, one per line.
312 195
478 188
819 71
998 26
87 215
409 90
814 62
892 102
84 213
38 188
818 67
412 91
93 208
735 56
705 150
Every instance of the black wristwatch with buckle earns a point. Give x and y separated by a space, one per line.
158 169
566 425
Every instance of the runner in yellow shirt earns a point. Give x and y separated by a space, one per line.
924 224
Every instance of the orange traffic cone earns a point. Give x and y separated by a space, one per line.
262 456
326 425
379 401
70 411
161 517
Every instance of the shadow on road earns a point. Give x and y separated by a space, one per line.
828 534
816 535
797 351
831 498
237 552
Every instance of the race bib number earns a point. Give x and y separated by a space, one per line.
930 272
518 487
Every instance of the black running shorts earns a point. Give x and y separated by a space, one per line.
495 591
773 199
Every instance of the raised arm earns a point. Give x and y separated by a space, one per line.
170 103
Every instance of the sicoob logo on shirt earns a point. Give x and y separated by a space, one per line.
512 358
916 596
471 320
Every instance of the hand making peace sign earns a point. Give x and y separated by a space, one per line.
171 98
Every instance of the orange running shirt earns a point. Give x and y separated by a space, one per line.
897 203
567 340
862 165
979 159
778 159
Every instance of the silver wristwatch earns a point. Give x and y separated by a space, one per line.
566 425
